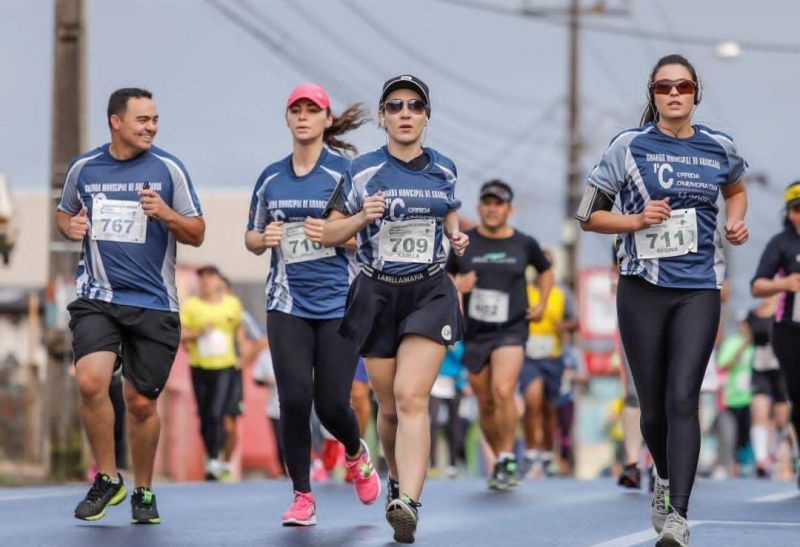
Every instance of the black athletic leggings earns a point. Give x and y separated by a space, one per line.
786 345
211 389
452 427
668 335
312 363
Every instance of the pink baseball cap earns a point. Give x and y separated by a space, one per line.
313 92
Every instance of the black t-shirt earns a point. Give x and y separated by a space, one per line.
499 299
782 256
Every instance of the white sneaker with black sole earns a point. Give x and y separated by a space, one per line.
675 532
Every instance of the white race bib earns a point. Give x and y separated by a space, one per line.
539 346
764 359
118 220
214 343
676 236
796 308
407 240
297 248
488 306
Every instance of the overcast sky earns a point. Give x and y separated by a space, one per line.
498 86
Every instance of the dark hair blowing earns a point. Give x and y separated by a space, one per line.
118 102
650 113
353 117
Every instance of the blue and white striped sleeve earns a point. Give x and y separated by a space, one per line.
184 198
70 195
610 174
258 217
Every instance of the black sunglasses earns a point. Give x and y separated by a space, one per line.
664 87
395 106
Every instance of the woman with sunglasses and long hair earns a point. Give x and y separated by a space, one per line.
667 175
306 293
779 273
402 309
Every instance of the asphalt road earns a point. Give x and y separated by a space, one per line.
455 513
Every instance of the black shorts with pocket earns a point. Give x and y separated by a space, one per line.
381 309
146 340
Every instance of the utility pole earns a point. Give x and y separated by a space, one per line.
574 149
67 141
575 141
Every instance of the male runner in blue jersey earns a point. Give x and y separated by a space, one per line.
128 202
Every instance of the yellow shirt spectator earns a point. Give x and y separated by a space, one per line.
544 340
216 323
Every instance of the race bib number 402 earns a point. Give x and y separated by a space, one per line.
118 220
407 240
488 306
676 236
297 248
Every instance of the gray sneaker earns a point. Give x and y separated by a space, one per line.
659 507
675 532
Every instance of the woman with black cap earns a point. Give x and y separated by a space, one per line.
668 174
779 273
306 292
402 309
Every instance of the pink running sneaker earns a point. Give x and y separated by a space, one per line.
365 478
302 512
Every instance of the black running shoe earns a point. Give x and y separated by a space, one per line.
631 477
510 473
102 494
403 515
143 507
392 491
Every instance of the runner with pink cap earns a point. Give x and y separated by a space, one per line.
306 292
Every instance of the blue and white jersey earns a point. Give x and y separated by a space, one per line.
304 279
127 258
644 164
426 195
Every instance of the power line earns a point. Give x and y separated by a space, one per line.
425 57
653 35
340 87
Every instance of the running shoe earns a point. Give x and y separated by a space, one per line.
659 507
102 493
509 475
392 491
525 466
365 478
143 507
403 515
495 482
302 512
631 477
675 532
330 453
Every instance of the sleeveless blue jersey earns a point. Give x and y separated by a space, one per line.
138 274
313 289
644 164
425 194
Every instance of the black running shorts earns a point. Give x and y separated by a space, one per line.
146 340
770 383
379 313
478 347
235 404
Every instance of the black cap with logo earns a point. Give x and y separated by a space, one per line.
498 189
407 81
